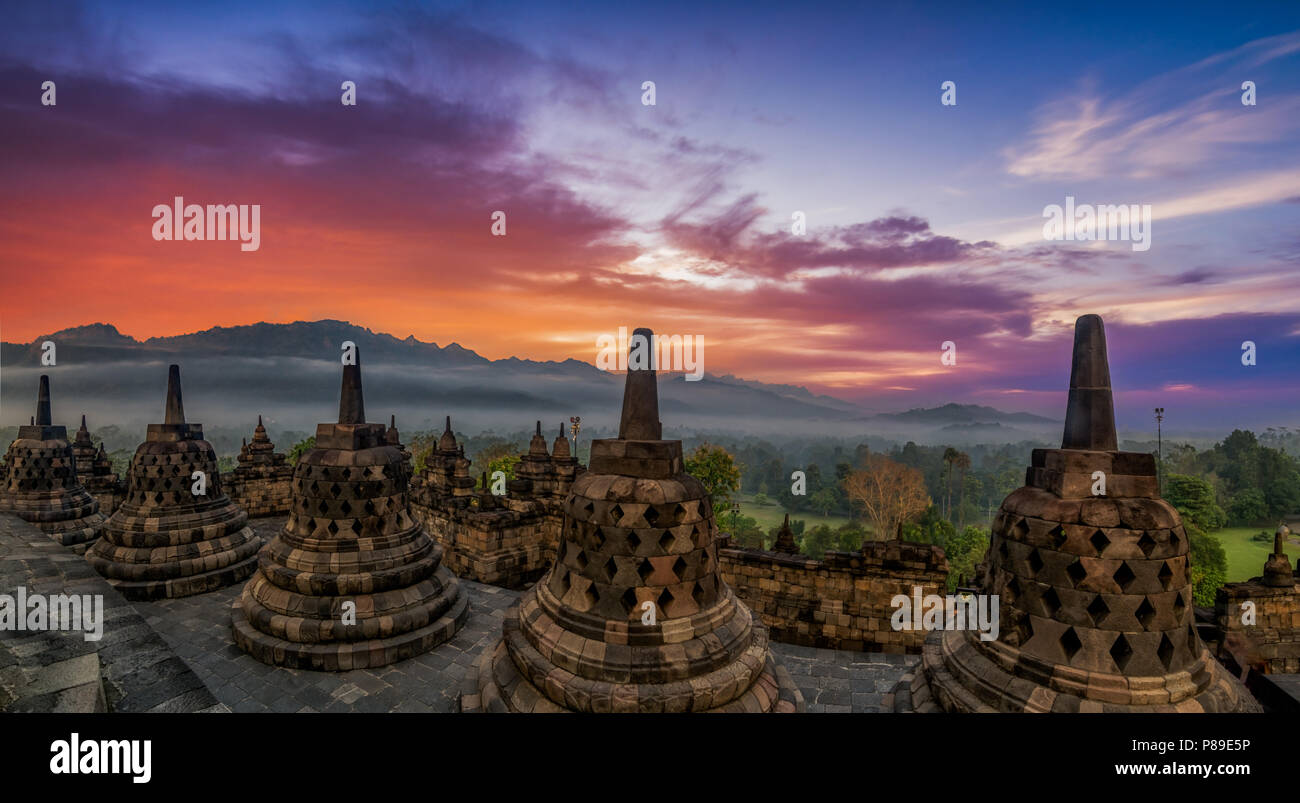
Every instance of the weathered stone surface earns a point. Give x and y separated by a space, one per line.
41 484
634 615
1095 590
353 580
261 483
164 540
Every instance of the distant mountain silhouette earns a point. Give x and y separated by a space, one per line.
290 372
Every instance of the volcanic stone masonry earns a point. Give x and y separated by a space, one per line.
633 616
164 540
506 540
1095 590
1272 643
95 471
842 601
41 485
353 580
260 483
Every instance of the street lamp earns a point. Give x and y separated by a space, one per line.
1160 417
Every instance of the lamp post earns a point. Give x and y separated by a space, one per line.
1160 417
575 424
735 511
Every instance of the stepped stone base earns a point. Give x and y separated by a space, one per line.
448 612
496 685
145 590
957 676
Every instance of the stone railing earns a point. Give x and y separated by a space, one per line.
841 601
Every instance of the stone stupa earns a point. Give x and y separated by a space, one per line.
1094 585
41 484
165 540
352 580
633 616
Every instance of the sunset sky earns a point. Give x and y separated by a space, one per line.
924 221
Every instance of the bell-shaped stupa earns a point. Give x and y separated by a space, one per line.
353 580
176 533
633 615
1091 569
41 484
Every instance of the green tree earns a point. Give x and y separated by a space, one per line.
823 501
760 498
1194 499
949 458
1209 569
817 540
506 463
716 469
1248 507
300 448
965 550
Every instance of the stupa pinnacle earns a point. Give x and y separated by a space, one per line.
1092 571
633 615
176 533
353 580
41 484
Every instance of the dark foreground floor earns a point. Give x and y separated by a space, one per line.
196 630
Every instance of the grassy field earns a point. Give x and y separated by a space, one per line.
771 515
1246 557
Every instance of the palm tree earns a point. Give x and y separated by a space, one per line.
949 456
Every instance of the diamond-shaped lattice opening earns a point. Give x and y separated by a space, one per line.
1173 540
347 473
1011 591
616 513
679 512
651 515
1002 548
591 595
666 598
1146 543
565 582
645 569
1165 576
335 489
633 541
333 528
1099 541
1145 613
1035 562
1070 643
666 541
1051 602
588 509
1179 606
697 594
1076 572
1121 651
581 560
611 569
1098 610
1124 576
1020 530
1165 652
598 538
346 507
628 600
1025 630
1058 536
356 527
679 568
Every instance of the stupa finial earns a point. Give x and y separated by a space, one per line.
1090 412
352 407
640 420
42 418
175 411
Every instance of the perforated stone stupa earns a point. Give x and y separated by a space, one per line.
353 580
633 616
95 471
260 483
1095 589
164 540
41 485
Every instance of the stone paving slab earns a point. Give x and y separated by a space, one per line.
139 672
179 654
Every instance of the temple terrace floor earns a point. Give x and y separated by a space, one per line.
140 674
